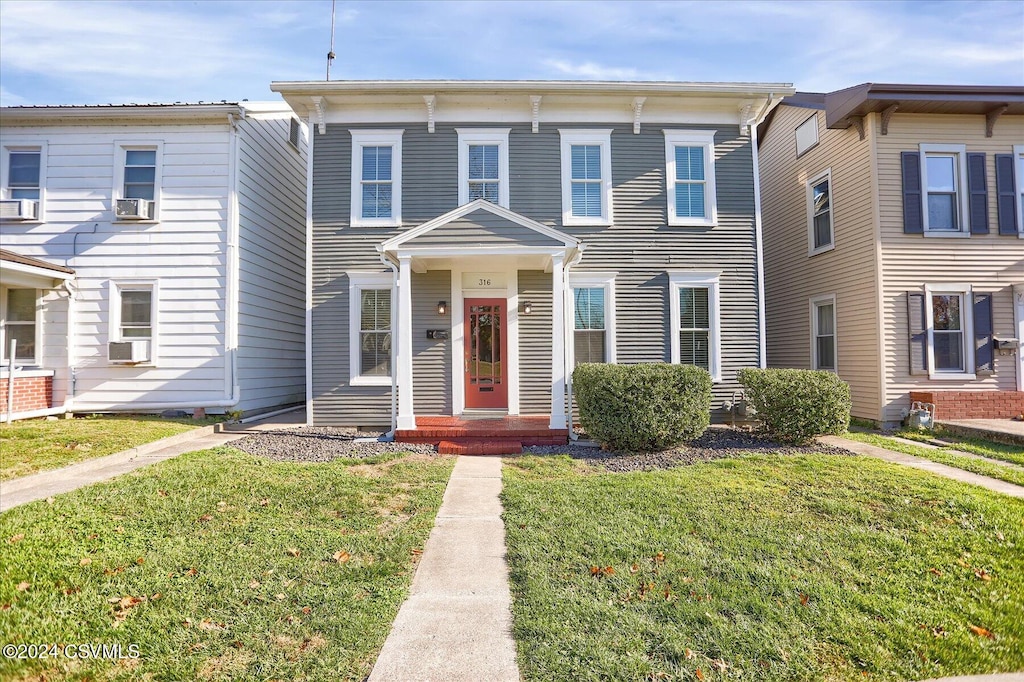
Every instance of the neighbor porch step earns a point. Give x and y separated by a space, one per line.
479 446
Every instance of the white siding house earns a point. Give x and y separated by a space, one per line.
184 226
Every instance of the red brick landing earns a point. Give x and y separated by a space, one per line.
497 436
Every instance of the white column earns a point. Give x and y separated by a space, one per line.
406 417
557 343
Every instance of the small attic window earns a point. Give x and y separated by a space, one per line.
293 133
807 134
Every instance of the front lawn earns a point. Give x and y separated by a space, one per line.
38 444
978 446
769 567
220 565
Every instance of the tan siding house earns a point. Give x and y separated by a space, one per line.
904 275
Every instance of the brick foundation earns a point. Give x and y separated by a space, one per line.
30 393
972 404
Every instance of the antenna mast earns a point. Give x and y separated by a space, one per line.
330 55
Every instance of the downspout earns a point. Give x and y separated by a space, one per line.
390 435
231 294
567 333
309 271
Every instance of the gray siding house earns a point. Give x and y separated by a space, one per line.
471 241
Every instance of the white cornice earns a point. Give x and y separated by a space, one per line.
57 115
426 87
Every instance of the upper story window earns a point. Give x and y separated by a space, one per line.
586 177
823 332
807 134
690 173
820 228
696 332
137 180
483 165
370 320
19 324
376 177
593 317
22 177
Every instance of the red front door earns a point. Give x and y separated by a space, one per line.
486 368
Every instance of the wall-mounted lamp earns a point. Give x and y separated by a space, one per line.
527 308
442 307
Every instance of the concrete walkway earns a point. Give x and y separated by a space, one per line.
56 481
456 624
925 465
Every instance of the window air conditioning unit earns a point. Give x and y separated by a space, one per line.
134 209
19 209
128 352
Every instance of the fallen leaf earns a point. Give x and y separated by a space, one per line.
689 655
85 561
50 500
982 574
113 571
191 573
265 501
999 536
92 536
719 665
15 538
187 622
982 632
222 504
162 493
156 596
634 568
341 556
140 561
306 610
595 570
699 674
935 571
804 599
292 551
253 584
22 586
206 517
609 570
207 624
292 620
280 595
659 558
119 529
5 607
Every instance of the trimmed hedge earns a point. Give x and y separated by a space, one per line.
795 405
642 407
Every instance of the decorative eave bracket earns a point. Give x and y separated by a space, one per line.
431 102
535 112
992 116
858 123
745 119
319 113
887 116
638 107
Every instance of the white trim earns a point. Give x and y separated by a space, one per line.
120 157
596 280
967 329
709 280
403 369
376 138
814 302
1018 176
17 145
357 281
704 139
38 323
309 276
483 136
25 273
116 286
960 153
558 358
762 342
809 187
1018 322
599 137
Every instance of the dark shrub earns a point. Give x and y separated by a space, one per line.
795 405
642 407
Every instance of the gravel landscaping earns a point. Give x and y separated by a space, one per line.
323 444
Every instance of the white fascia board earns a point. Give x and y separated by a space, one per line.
192 113
42 278
421 87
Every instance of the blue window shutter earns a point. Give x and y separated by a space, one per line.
913 220
983 355
918 332
1006 194
977 191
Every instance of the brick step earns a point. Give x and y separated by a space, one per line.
479 446
524 440
435 434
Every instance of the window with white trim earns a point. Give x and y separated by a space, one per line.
138 175
823 332
820 225
586 177
690 173
133 313
371 322
23 177
20 317
483 165
376 178
950 331
593 296
944 189
695 320
807 134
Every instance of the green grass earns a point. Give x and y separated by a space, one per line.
986 448
39 444
233 559
781 568
943 456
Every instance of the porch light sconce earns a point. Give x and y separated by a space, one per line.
527 308
442 307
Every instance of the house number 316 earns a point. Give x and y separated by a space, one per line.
481 282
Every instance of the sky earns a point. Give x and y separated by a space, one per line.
144 51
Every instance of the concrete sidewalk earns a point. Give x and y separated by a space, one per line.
456 624
56 481
925 465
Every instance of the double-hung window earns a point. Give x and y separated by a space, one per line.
950 331
943 181
690 173
586 177
22 176
137 180
820 226
20 324
823 332
483 165
593 300
376 178
370 328
695 319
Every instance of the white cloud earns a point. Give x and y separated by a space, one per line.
11 99
590 70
